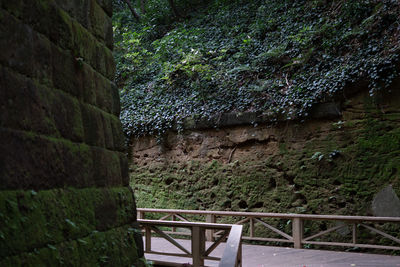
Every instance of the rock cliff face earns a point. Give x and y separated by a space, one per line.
64 195
332 164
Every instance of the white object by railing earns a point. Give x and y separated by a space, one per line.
232 255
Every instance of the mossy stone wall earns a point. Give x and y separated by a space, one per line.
64 194
331 165
325 165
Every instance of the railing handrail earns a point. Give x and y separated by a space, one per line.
275 215
297 236
233 248
185 224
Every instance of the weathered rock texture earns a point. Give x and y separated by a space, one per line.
64 195
324 165
331 165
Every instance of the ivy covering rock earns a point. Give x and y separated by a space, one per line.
274 58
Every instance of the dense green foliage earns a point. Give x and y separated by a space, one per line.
274 57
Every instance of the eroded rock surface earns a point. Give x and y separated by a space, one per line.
321 165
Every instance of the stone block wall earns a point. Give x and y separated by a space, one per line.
64 195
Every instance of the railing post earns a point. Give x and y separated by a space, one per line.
173 219
198 246
297 230
140 214
210 218
147 238
239 259
354 226
251 227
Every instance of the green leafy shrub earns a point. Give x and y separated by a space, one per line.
270 57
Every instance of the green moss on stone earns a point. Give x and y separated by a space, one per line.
353 163
115 247
33 219
356 163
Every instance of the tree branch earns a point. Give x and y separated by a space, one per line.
133 11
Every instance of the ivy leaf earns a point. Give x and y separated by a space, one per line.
51 247
71 223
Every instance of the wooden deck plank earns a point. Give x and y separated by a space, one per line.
267 256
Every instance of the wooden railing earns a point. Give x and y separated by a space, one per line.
297 235
232 255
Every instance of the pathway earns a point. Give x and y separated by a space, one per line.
266 256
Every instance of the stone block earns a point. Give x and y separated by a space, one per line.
16 44
118 134
89 85
102 255
12 241
26 51
104 97
104 61
24 105
67 115
60 27
99 91
47 18
108 131
110 67
109 36
101 25
106 5
386 203
91 51
81 80
116 107
101 128
78 165
107 169
231 119
77 9
84 44
42 68
30 106
116 247
92 15
93 126
326 111
34 161
67 74
124 169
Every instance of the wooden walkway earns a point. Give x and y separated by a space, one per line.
266 256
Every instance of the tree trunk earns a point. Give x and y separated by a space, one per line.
174 9
143 6
133 11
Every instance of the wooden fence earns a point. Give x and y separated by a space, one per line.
296 236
